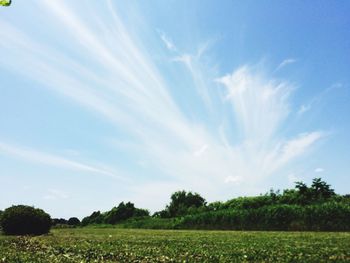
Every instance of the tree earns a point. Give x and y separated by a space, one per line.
95 218
25 220
321 190
318 191
181 202
122 212
301 187
5 2
58 221
1 212
73 221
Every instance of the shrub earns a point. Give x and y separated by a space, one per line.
58 221
25 220
330 216
73 221
1 212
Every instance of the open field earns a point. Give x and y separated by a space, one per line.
124 245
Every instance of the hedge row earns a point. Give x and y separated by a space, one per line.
330 216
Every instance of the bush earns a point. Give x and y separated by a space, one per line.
151 223
58 221
25 220
95 218
73 221
329 216
1 212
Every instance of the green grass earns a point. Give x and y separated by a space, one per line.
127 245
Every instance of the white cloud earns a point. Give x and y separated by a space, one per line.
201 150
285 63
318 98
233 179
55 194
167 41
200 80
131 94
304 108
260 104
319 170
51 160
261 108
296 147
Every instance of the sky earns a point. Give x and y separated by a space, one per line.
110 101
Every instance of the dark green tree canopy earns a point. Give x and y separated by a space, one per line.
317 192
58 221
25 220
182 201
73 221
5 2
117 214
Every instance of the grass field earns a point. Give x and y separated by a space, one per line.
124 245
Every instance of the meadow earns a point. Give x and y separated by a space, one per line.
90 244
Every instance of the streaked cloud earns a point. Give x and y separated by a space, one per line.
261 108
304 108
244 145
201 150
167 41
319 170
286 62
318 98
55 194
34 156
201 76
260 103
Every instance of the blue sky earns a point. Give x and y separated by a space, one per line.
110 101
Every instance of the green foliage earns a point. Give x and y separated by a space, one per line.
151 223
122 212
330 216
73 221
95 218
182 203
319 191
5 2
116 215
248 202
127 245
304 208
58 221
1 212
25 220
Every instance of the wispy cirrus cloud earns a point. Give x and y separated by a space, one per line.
167 41
130 93
318 98
202 75
261 107
319 170
47 159
260 103
286 62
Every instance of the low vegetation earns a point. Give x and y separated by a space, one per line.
316 207
305 208
124 245
105 236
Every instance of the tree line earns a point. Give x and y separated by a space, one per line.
314 207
